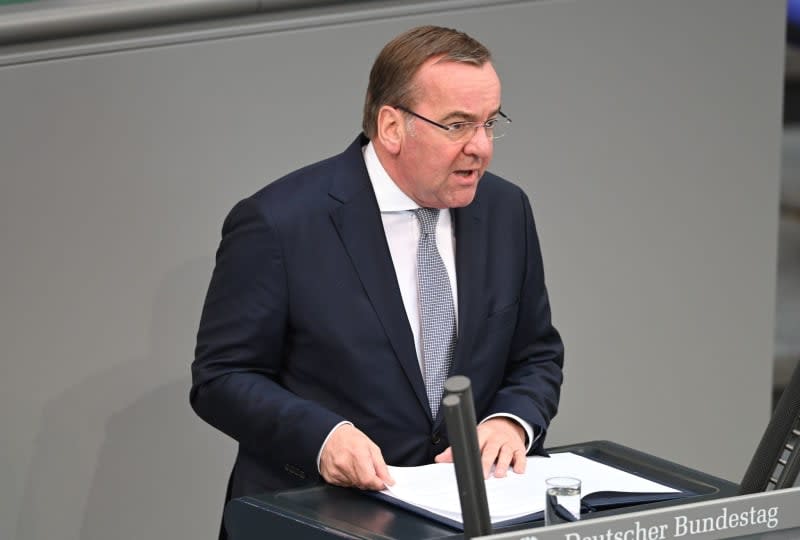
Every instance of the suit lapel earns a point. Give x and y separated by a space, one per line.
471 238
357 219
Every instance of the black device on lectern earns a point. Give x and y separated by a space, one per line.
776 462
459 413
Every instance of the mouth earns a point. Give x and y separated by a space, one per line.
467 175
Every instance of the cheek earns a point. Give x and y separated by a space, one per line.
444 159
433 165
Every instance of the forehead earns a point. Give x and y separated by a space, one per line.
452 85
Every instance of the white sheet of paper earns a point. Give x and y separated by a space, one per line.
434 488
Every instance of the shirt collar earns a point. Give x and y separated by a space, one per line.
390 197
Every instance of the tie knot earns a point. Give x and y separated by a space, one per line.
427 219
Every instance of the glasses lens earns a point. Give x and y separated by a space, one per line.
461 131
464 131
498 130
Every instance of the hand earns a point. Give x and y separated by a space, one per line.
502 443
350 459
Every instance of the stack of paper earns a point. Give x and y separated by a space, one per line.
433 488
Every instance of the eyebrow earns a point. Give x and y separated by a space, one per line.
465 116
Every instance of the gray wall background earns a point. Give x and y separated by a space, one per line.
647 134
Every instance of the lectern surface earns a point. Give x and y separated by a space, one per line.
324 512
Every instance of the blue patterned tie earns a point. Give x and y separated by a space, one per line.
436 308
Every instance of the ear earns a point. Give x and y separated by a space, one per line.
391 129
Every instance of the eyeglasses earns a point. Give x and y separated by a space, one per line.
463 131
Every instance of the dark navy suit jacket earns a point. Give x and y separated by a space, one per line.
304 326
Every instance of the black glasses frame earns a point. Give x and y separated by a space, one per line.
489 124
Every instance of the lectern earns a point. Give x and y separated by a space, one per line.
326 512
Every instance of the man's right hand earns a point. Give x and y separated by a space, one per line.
350 459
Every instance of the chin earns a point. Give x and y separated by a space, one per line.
462 198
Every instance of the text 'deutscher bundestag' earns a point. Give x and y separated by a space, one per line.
758 514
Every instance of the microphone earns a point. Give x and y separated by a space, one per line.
459 411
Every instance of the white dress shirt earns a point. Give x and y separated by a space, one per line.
402 230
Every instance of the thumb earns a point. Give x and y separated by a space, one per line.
445 457
381 470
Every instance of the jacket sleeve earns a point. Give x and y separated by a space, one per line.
241 346
533 375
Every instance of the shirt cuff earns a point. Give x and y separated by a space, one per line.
530 435
319 454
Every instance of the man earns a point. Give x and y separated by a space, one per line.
345 292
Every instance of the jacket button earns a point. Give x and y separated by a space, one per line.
436 439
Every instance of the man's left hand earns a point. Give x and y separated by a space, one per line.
502 444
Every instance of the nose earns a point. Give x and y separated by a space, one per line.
480 144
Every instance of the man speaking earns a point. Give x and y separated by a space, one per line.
345 293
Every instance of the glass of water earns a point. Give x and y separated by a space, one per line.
562 500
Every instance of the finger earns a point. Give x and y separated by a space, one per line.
488 456
364 475
504 458
370 482
445 457
520 460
